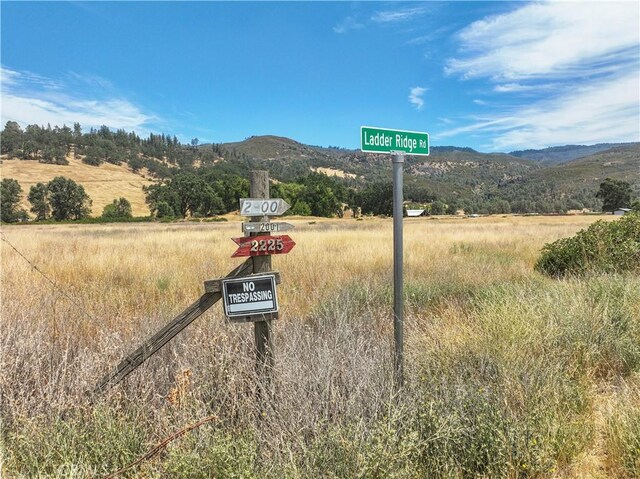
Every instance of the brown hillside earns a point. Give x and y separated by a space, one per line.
102 183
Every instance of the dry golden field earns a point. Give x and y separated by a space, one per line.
103 183
509 373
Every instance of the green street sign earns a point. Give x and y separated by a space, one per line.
381 140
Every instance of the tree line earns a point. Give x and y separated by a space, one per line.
209 194
189 194
194 182
59 199
160 154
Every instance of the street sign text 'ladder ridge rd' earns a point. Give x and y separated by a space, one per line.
382 140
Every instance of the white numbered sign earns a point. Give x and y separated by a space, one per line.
263 207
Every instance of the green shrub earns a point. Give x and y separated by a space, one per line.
120 208
604 247
164 210
87 443
210 454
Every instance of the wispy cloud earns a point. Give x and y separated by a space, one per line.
28 98
607 111
360 21
481 124
400 15
568 74
416 96
520 88
550 39
349 23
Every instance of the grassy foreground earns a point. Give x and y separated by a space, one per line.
509 373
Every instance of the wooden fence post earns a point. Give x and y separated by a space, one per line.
259 188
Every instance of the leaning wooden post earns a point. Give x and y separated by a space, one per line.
259 188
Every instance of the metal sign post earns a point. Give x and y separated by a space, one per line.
398 254
398 143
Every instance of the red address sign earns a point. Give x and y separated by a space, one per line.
263 245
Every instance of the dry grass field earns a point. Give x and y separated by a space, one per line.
510 374
103 183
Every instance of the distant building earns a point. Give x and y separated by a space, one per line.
414 213
621 211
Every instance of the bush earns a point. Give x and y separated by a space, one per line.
120 208
84 444
164 210
604 247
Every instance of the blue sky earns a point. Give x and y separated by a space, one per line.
495 76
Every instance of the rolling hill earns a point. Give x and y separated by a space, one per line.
619 162
102 183
453 175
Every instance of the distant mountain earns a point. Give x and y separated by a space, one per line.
437 150
271 147
456 172
287 159
621 163
562 154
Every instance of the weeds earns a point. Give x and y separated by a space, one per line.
622 431
501 363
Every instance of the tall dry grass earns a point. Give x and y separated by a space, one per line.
503 365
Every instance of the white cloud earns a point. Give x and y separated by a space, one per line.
32 99
480 125
550 39
519 87
12 78
8 77
606 111
357 22
390 16
416 95
570 72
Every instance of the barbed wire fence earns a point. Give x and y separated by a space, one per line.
81 307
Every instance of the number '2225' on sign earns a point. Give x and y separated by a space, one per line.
263 245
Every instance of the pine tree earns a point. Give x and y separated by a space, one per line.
12 138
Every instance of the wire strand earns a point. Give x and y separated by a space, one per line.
53 283
160 446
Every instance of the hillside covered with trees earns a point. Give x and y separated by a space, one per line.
196 180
